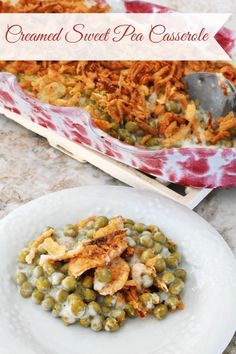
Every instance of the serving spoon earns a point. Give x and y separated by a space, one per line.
214 92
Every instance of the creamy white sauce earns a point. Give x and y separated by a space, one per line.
98 285
55 278
165 252
67 314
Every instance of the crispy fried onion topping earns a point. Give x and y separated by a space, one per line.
33 249
98 252
120 273
117 92
115 224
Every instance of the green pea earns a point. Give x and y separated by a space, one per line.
101 221
136 239
160 311
61 296
131 242
130 310
77 307
71 230
123 134
129 140
176 287
147 254
94 307
111 324
20 278
56 310
37 297
64 268
38 272
157 248
119 315
87 282
73 298
96 323
152 228
173 260
132 127
104 275
172 301
89 295
180 273
84 322
153 142
69 283
146 240
43 284
48 303
160 265
22 255
49 268
168 277
129 228
26 289
139 227
79 291
128 221
90 225
90 234
159 237
146 299
171 246
106 311
109 300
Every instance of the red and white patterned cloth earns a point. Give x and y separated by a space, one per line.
199 167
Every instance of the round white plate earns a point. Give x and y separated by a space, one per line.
204 327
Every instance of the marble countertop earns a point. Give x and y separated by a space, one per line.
30 168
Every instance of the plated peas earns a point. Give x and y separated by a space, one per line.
159 278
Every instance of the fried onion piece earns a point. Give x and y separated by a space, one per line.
114 225
120 273
84 222
98 252
159 283
53 247
33 249
131 296
130 283
66 256
178 137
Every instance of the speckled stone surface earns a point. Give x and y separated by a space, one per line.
30 168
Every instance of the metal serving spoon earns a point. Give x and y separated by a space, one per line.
214 93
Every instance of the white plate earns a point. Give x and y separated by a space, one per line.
204 327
